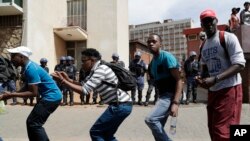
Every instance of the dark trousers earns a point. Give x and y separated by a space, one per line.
65 95
191 88
149 91
38 117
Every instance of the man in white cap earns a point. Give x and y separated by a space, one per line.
38 80
191 71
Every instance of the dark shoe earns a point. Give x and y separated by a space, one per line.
14 103
194 101
71 103
187 102
140 103
64 104
146 104
100 103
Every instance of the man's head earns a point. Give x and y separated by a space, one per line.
89 57
154 43
63 60
192 55
137 55
43 61
69 60
235 10
202 36
19 55
209 22
246 4
115 57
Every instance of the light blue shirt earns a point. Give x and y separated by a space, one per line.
35 74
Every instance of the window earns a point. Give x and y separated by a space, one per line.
77 13
192 37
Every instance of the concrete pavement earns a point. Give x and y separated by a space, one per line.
73 123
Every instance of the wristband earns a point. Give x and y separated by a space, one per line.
175 102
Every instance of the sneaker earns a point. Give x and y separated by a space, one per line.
146 103
140 103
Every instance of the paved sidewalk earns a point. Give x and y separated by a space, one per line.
73 123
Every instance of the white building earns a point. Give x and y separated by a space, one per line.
171 32
55 28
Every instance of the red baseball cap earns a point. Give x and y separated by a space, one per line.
207 13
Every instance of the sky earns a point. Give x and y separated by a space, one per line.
145 11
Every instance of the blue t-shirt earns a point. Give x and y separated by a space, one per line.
161 65
35 74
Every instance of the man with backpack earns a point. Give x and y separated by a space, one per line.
138 67
223 63
104 80
164 68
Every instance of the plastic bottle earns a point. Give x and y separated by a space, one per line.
2 107
173 122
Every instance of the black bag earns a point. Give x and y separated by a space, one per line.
7 70
126 79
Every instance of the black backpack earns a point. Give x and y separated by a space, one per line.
7 70
126 79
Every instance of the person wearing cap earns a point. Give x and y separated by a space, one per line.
138 67
164 68
70 70
119 101
191 71
224 80
245 14
38 80
115 58
202 36
61 67
234 19
43 64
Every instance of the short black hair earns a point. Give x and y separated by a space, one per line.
91 52
152 34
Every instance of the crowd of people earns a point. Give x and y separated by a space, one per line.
217 70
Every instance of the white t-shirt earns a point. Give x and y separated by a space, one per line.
214 56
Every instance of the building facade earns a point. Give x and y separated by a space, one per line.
65 27
171 32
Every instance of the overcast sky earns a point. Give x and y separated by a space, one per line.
144 11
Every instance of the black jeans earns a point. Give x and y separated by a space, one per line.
38 117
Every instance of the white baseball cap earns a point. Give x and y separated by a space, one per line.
22 50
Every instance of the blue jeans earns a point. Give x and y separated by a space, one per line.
108 123
38 117
157 119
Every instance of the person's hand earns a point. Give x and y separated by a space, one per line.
174 110
63 75
198 80
208 82
56 77
5 95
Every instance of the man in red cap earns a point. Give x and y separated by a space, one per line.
224 80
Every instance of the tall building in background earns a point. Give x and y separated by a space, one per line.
55 28
171 31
